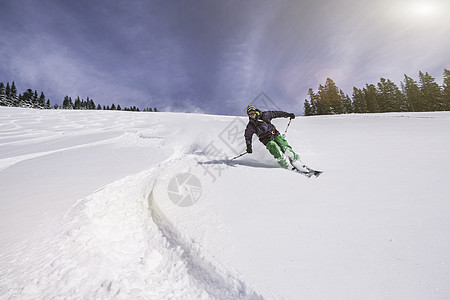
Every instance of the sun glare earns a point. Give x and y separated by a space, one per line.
423 9
415 12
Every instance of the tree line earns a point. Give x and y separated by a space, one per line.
9 97
31 99
386 96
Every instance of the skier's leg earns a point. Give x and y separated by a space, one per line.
276 151
286 148
293 157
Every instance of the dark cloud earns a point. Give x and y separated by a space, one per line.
214 56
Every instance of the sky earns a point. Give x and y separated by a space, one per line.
217 57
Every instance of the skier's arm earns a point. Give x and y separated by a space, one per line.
248 134
272 114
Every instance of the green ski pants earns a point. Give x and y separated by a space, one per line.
277 147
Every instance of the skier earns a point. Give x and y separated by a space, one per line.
259 123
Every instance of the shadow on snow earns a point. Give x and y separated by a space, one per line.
241 162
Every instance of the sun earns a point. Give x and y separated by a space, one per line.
423 9
419 12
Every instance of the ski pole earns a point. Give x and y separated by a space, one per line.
284 134
239 155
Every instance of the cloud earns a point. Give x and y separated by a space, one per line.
212 56
59 73
336 74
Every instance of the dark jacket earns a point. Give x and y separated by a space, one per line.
265 130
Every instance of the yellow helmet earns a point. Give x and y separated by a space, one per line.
251 108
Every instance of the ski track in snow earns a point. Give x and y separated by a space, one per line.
119 225
213 278
114 243
10 161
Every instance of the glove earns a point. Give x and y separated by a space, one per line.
291 115
249 149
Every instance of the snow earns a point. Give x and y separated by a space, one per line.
89 207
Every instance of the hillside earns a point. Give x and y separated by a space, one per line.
104 204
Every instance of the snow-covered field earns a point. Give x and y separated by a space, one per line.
123 205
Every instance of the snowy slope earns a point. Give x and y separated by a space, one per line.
92 205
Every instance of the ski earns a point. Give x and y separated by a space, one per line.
298 167
309 174
316 173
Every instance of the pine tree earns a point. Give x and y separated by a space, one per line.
313 101
431 92
307 108
346 103
14 98
371 97
91 104
446 90
391 97
41 101
330 101
383 93
2 94
27 98
113 107
8 92
35 101
359 101
77 104
413 95
67 103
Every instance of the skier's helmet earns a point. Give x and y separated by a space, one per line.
251 108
